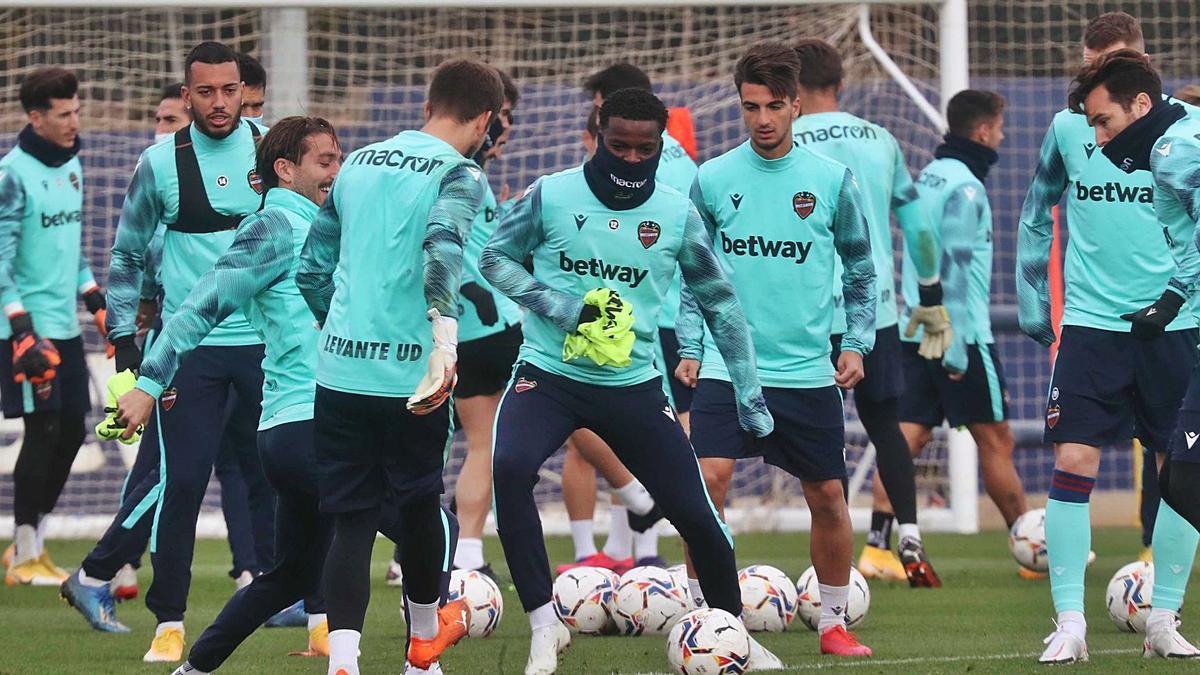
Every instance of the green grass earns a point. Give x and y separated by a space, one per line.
985 619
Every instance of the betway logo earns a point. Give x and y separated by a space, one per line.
61 218
596 267
759 246
1114 192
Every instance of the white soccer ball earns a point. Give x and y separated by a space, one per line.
708 641
808 599
583 598
648 601
680 575
1128 596
768 598
482 596
1027 541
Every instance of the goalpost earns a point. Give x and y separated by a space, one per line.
362 64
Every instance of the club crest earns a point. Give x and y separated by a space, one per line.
648 232
168 398
1052 415
74 180
255 181
43 390
803 204
523 385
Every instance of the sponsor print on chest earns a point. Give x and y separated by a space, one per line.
609 248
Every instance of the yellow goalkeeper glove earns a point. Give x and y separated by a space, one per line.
109 429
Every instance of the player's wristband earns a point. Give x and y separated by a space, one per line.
94 300
21 323
930 294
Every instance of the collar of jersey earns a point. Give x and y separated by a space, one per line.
279 197
430 138
759 162
210 144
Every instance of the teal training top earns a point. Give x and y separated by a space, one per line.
675 170
874 156
386 247
257 274
42 269
1175 166
508 312
779 225
957 203
1117 259
229 179
579 244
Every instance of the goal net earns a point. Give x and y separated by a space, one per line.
366 69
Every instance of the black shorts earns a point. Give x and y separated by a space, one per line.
681 394
372 451
931 396
1187 429
67 392
883 378
486 364
1108 387
809 440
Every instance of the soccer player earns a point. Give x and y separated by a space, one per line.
606 240
297 161
1138 129
254 88
1107 385
781 214
43 375
874 157
384 253
967 387
201 187
172 113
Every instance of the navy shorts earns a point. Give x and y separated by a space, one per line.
1187 430
67 392
484 365
681 394
809 440
1108 387
883 378
372 451
930 396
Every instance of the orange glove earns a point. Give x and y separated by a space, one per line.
34 358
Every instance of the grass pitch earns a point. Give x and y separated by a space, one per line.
985 619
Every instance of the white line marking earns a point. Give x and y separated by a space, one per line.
940 659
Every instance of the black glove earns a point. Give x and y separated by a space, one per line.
94 300
1150 322
930 295
128 356
485 304
589 314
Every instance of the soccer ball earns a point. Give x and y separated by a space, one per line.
808 600
768 598
648 601
583 598
1027 541
1128 596
482 596
680 575
708 641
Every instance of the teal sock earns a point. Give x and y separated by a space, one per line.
1174 547
1068 540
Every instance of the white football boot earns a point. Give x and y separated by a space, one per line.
1063 646
545 645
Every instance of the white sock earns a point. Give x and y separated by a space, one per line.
1074 622
909 531
315 620
41 534
833 606
696 591
619 544
543 616
423 619
25 544
177 625
646 543
581 534
90 582
188 669
469 554
635 497
343 650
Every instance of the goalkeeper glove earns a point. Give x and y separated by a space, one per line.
438 382
1150 322
34 358
110 428
931 315
605 331
485 304
753 415
96 304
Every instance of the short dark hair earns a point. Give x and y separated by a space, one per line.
971 107
253 73
173 90
47 83
593 122
208 52
288 139
1125 73
634 104
1188 93
465 89
1109 29
510 88
616 77
820 64
772 65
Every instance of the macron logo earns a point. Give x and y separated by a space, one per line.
736 199
1164 149
1190 436
580 219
